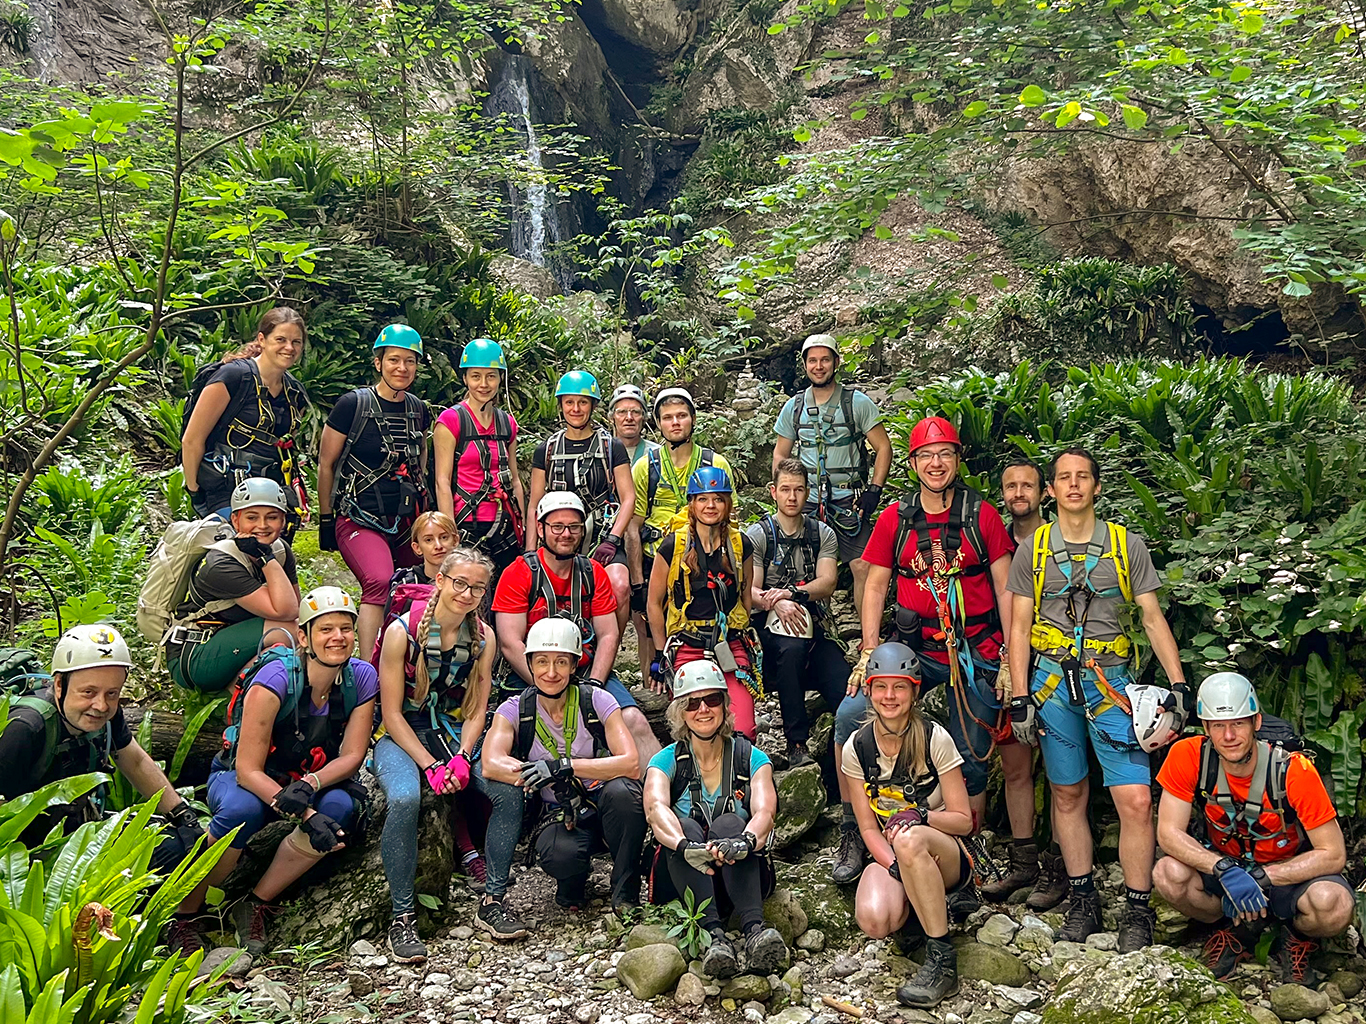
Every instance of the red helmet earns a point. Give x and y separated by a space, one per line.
933 430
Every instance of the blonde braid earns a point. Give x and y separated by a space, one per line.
422 679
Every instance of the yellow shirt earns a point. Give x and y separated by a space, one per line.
672 492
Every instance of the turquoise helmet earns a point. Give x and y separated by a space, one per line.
399 336
483 353
578 382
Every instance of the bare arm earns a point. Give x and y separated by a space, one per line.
634 550
659 810
608 639
518 494
626 495
782 448
1005 604
499 764
827 577
1021 619
1173 817
659 588
763 805
1160 636
1328 856
874 599
259 708
537 493
444 443
955 818
624 762
329 452
882 454
354 746
871 830
213 402
147 778
276 599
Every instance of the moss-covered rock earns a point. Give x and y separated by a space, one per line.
801 799
828 906
1156 985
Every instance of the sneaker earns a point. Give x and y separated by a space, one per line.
249 922
183 936
1224 951
720 960
963 903
1294 956
1136 927
766 952
1024 871
1083 918
476 872
850 856
495 919
797 756
936 980
404 944
1051 889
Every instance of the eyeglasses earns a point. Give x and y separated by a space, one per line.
632 414
943 455
560 529
714 699
462 586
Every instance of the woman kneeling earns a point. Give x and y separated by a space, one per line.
710 799
917 806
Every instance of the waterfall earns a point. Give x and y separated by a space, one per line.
535 213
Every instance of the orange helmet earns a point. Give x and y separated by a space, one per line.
933 430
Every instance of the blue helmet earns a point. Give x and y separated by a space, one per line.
708 480
483 353
399 336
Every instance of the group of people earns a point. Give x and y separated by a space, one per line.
492 613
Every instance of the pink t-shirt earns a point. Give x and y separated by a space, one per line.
469 474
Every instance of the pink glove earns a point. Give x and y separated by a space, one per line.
437 776
459 767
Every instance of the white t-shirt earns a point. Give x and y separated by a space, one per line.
943 754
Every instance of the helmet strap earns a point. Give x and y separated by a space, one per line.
706 739
888 732
541 694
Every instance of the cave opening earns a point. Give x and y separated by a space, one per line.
1262 332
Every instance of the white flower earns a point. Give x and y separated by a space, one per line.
1282 541
1234 648
1334 624
1244 557
1221 616
1276 645
1311 614
1300 588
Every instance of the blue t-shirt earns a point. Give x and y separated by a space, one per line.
841 457
666 761
274 678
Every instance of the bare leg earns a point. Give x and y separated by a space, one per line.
929 861
1180 885
194 902
880 905
1323 911
1137 840
1072 827
1017 764
367 627
620 576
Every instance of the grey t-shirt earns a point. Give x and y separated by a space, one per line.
841 457
759 534
1102 619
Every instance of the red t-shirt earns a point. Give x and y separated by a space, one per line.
979 596
1304 791
514 591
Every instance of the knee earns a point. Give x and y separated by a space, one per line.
847 717
635 720
247 814
1017 770
692 829
505 797
1134 803
1171 877
1329 905
622 794
873 920
910 843
338 805
1070 798
727 826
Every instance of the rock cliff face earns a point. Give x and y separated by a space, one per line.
85 40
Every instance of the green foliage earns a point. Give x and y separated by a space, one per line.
739 150
683 918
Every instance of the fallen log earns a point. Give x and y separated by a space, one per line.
167 729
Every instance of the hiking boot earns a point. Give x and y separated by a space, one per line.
1083 918
571 893
850 856
936 979
1051 889
404 944
1024 870
797 756
183 936
721 961
249 922
1294 957
501 925
964 902
1225 950
476 872
1136 927
766 952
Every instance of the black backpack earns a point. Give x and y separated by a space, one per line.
526 722
735 779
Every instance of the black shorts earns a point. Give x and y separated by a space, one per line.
1283 899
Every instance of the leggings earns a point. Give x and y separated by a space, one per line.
214 664
793 665
742 886
741 700
373 557
618 825
401 781
232 806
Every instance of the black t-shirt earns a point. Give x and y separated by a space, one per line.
593 486
239 377
220 577
369 449
21 750
702 607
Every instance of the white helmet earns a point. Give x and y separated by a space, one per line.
554 636
322 600
1226 697
90 647
258 492
822 341
1154 725
627 391
674 395
697 676
554 501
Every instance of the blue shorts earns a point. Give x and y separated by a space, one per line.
619 693
1065 728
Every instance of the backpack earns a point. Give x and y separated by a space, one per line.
655 470
173 563
489 487
1277 745
402 462
809 541
735 780
526 722
914 791
21 672
342 702
43 701
401 601
819 421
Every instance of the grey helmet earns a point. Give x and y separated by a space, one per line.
628 391
893 659
259 492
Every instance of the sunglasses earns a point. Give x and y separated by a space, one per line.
714 699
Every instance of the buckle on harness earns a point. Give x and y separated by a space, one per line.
183 635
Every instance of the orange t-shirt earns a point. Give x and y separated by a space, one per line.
1304 792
